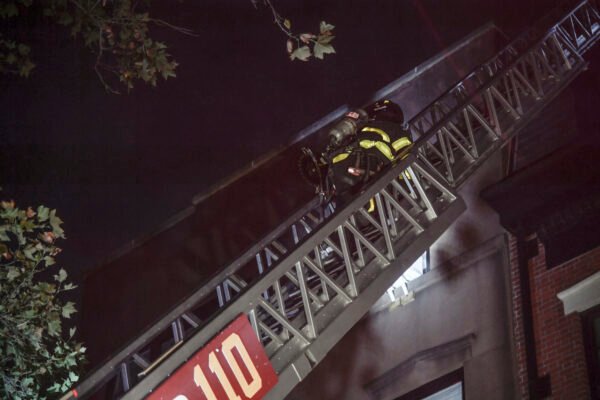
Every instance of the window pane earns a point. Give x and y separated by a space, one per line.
400 288
453 392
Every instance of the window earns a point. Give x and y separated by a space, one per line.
400 287
453 392
448 387
591 331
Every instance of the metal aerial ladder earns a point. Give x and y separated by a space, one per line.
307 283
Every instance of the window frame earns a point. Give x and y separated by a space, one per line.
436 385
591 350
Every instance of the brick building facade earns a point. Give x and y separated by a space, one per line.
550 205
559 338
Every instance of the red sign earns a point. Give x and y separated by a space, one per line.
232 366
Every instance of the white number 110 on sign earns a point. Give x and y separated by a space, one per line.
249 386
233 365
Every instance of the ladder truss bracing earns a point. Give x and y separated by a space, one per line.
489 106
326 274
305 285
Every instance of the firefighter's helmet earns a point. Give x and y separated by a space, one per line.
386 110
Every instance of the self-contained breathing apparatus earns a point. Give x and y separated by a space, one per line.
315 168
348 161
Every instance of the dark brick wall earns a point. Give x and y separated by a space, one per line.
558 338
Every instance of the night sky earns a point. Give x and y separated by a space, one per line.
116 167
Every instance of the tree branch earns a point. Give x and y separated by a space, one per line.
279 20
185 31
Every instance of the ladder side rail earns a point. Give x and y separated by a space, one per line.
487 97
454 97
522 44
489 89
502 57
110 368
567 65
428 210
251 297
589 22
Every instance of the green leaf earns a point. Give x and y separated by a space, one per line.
68 309
55 222
30 252
23 49
3 235
168 74
54 388
10 44
12 273
26 68
71 361
325 27
47 288
301 53
54 327
72 332
26 382
62 275
10 59
42 213
65 386
69 286
322 49
49 261
28 225
288 24
325 39
8 10
73 377
18 231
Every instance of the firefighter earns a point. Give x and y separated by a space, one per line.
378 142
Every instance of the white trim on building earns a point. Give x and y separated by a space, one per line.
581 296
